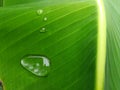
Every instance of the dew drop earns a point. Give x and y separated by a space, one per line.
43 30
39 12
38 65
45 19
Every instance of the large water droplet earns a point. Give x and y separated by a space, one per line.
43 30
39 12
38 65
45 18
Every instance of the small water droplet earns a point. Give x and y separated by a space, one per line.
43 30
38 65
45 19
39 12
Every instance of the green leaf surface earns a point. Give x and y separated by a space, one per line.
112 80
16 2
70 43
1 3
46 2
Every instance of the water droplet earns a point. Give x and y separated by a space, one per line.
43 30
38 65
45 19
39 12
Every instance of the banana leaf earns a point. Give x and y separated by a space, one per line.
72 42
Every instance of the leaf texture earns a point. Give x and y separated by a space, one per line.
113 46
70 43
